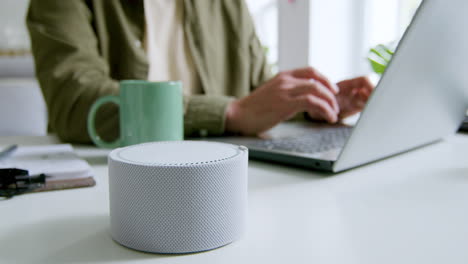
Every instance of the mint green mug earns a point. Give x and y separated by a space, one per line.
149 111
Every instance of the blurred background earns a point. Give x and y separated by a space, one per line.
335 35
332 35
22 107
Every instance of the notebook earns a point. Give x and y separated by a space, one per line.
64 169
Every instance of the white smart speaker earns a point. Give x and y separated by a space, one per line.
178 196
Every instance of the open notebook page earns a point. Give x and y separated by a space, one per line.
58 162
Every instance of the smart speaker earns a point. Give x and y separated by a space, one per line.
177 196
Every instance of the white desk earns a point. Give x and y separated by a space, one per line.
412 208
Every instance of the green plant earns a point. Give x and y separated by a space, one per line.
379 57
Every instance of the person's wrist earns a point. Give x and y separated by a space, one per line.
232 117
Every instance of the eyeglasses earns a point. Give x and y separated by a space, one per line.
16 181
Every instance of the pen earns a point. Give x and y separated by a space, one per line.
8 151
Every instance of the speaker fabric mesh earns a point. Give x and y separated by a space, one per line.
178 207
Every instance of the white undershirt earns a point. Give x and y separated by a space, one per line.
168 52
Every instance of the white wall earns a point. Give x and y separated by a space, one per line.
294 34
318 33
265 15
333 34
22 107
13 33
15 58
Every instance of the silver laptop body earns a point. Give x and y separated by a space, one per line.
421 98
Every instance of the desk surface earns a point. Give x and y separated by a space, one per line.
412 208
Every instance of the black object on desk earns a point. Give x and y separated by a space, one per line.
16 181
464 125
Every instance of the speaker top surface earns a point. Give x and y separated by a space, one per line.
176 153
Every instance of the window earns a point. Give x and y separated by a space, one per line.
388 20
265 16
333 36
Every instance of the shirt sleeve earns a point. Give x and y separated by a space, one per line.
205 114
71 72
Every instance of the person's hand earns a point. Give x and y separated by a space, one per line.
290 92
353 95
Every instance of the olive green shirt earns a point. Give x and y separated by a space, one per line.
82 48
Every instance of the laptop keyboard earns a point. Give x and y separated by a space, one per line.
317 141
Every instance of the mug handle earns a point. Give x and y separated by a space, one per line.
91 124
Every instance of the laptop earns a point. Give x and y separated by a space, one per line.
420 99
